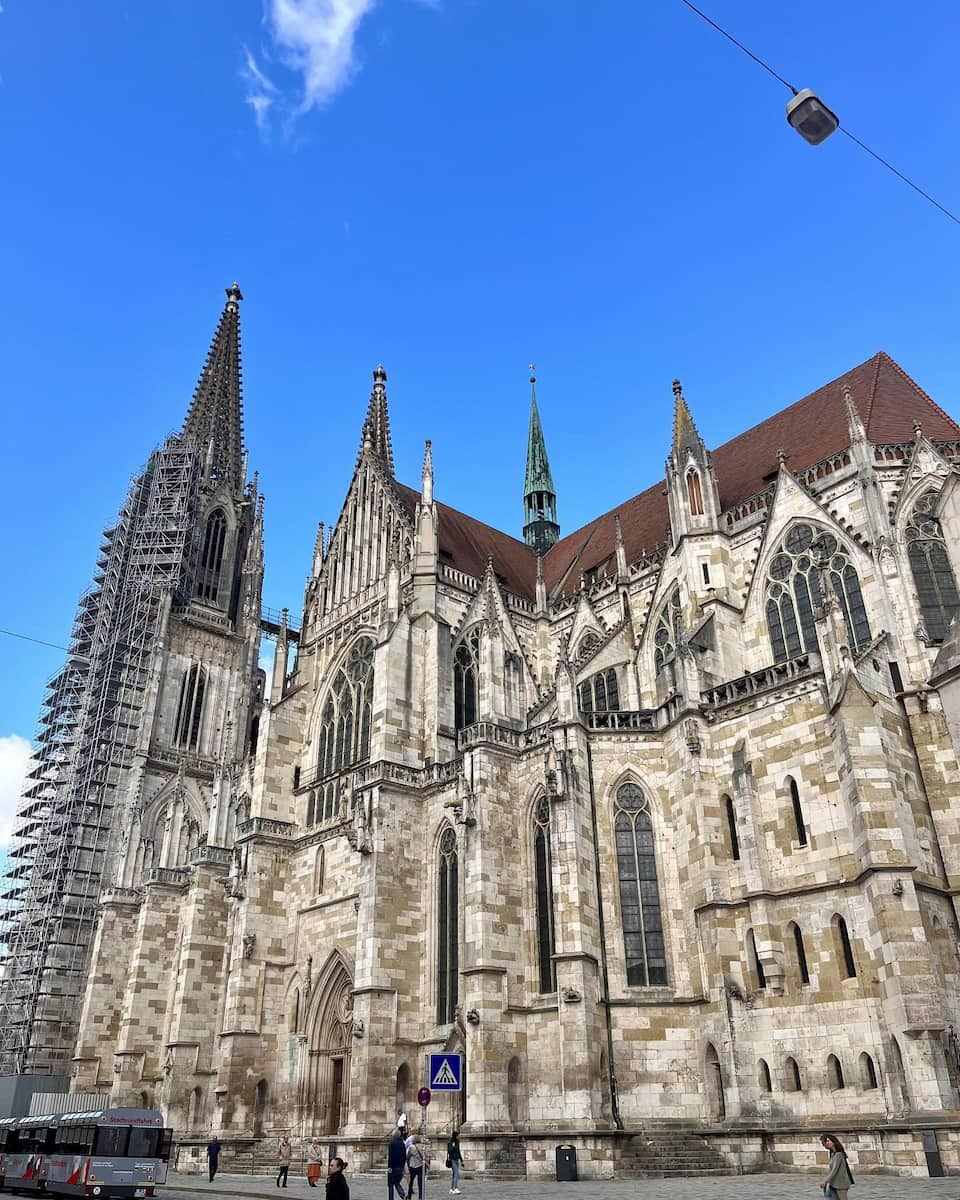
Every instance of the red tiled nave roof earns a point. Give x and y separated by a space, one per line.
812 429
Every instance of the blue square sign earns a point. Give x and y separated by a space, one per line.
445 1072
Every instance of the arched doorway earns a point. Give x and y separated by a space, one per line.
260 1108
516 1094
404 1087
715 1096
329 1041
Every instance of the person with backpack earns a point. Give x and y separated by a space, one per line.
416 1164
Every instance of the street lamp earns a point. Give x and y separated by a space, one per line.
811 118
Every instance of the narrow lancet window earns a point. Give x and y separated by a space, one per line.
466 676
448 948
932 573
544 882
211 556
190 708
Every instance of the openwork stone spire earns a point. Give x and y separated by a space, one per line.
376 428
541 529
215 419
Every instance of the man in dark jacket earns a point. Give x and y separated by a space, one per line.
396 1163
213 1155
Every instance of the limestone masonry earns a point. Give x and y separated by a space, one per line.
656 822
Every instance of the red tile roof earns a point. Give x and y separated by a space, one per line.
812 429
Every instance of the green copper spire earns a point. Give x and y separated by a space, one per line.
540 528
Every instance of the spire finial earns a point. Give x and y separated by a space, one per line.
781 457
532 367
233 293
854 423
677 389
426 475
685 435
375 436
541 528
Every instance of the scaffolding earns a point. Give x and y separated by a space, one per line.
90 734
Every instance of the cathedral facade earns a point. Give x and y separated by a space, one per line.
656 822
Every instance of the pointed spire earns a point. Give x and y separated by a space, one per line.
426 477
375 435
622 572
541 529
215 419
854 423
685 434
318 550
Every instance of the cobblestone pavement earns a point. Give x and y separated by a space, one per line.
727 1187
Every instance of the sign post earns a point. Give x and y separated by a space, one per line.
423 1099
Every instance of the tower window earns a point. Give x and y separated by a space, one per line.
211 556
190 708
641 918
755 964
345 727
848 965
600 693
801 954
544 883
694 494
932 574
732 828
794 592
466 677
798 822
666 637
766 1084
447 928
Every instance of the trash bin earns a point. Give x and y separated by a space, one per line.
566 1164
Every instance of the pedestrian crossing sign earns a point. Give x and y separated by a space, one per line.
445 1072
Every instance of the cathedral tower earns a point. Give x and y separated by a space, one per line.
540 529
153 698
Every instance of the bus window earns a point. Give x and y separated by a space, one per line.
143 1143
166 1141
112 1140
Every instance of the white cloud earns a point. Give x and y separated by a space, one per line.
314 39
14 764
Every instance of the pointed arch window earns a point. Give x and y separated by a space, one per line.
600 693
211 555
801 954
466 679
766 1083
794 592
731 812
794 1081
694 493
345 725
848 964
799 823
666 637
543 870
448 945
932 573
190 708
643 941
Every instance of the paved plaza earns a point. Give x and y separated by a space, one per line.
727 1187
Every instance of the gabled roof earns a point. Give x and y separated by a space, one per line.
812 429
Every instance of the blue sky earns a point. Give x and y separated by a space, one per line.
455 188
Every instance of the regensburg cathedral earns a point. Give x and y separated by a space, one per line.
656 821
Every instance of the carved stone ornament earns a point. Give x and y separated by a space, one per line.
345 1007
168 1063
570 995
555 772
249 941
233 888
473 1017
465 810
691 733
358 1029
358 832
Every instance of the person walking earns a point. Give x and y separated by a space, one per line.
213 1155
337 1186
402 1122
416 1163
839 1178
454 1162
284 1154
396 1161
314 1161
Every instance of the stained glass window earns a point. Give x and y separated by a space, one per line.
544 879
466 677
345 726
793 591
666 637
447 929
600 693
643 941
932 573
